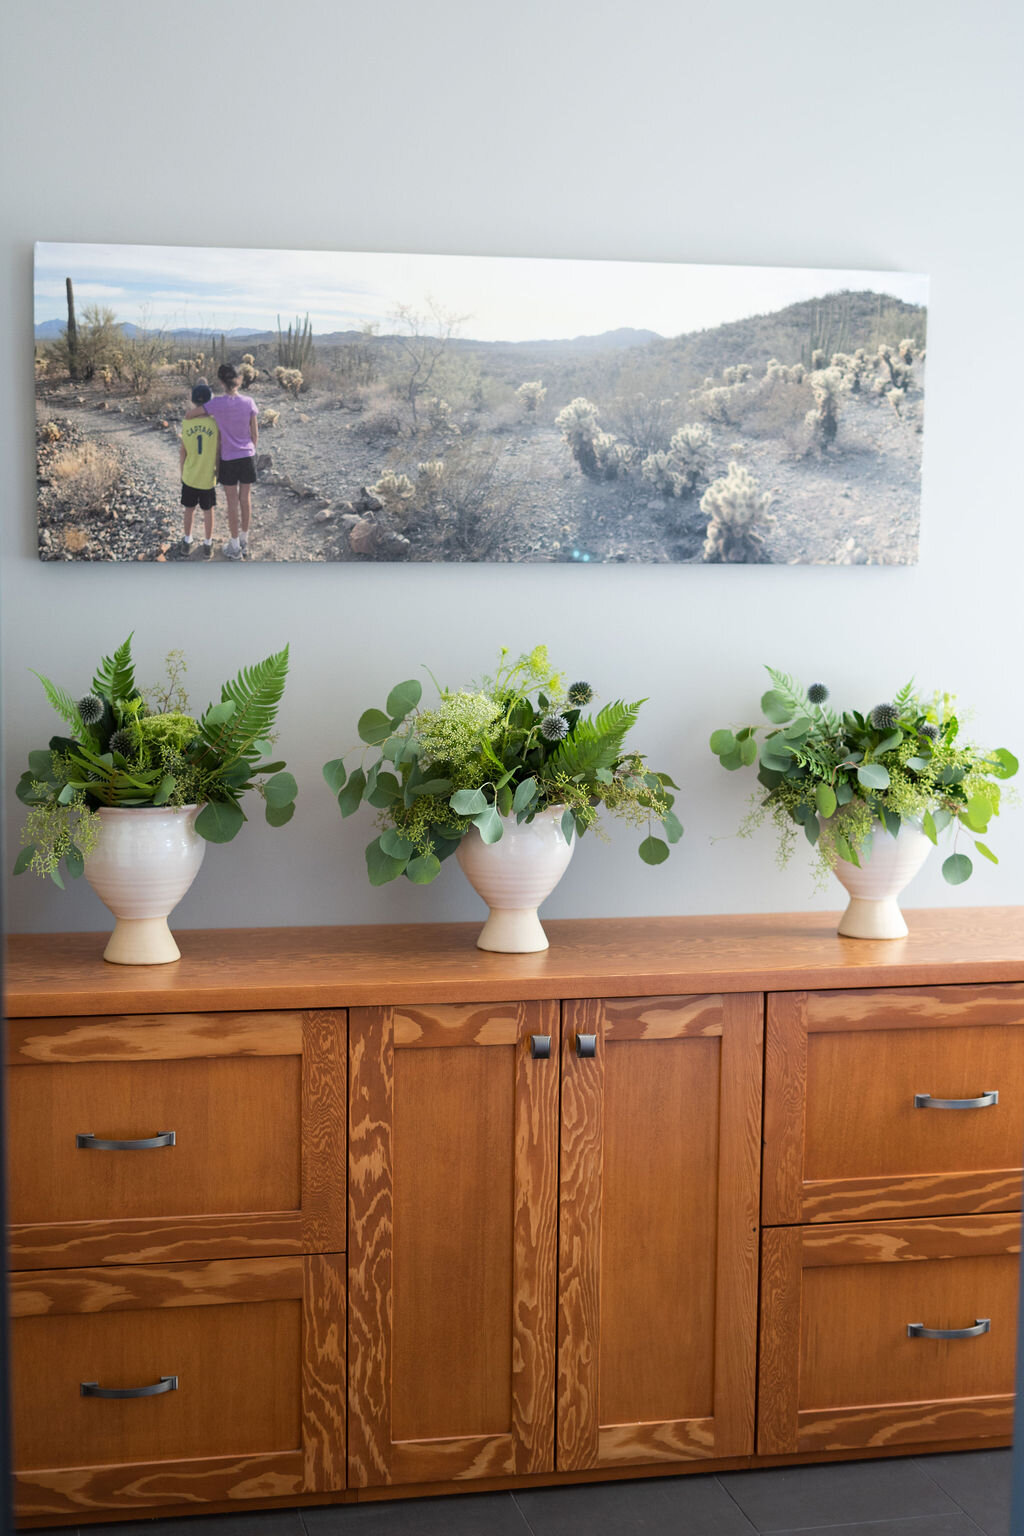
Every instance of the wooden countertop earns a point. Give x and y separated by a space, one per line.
50 975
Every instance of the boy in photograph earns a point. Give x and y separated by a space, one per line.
200 445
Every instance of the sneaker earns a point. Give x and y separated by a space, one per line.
185 549
232 550
205 550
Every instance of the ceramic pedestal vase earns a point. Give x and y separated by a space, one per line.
514 875
889 866
143 864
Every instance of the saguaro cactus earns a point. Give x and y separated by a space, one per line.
73 368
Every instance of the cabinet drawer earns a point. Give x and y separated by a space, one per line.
241 1120
249 1353
852 1127
839 1369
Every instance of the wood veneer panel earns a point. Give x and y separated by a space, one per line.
452 1197
659 1216
424 963
838 1369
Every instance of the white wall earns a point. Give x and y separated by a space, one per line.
879 136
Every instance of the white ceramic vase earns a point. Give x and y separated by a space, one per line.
144 862
889 866
514 875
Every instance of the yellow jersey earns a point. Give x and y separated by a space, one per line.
200 438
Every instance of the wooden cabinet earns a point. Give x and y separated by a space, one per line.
657 1287
525 1196
175 1137
138 1387
850 1314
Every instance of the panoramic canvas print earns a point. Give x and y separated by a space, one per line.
207 405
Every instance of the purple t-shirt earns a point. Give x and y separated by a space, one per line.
232 414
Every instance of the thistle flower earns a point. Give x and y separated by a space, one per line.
580 694
90 709
884 716
817 693
931 731
123 741
554 727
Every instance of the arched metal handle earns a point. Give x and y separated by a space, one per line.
925 1101
165 1384
540 1047
93 1143
919 1331
586 1045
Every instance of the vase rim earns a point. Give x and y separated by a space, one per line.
146 810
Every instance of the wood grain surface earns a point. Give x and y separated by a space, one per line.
452 1232
594 957
843 1138
259 1115
838 1369
658 1230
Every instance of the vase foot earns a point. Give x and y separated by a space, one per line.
513 931
141 941
866 919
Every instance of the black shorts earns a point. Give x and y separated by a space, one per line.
237 471
192 496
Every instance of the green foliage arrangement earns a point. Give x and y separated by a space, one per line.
122 751
836 776
514 744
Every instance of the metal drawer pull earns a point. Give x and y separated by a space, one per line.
165 1384
540 1047
97 1143
586 1045
919 1331
925 1101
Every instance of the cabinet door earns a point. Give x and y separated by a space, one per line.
154 1138
140 1386
453 1159
878 1333
660 1146
893 1102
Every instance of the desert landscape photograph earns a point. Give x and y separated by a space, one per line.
464 409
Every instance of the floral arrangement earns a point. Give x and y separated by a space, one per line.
837 776
515 744
127 749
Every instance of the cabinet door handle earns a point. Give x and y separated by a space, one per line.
98 1144
919 1331
586 1045
540 1047
165 1384
925 1101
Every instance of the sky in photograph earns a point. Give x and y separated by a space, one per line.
497 298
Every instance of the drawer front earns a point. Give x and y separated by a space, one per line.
893 1102
229 1375
849 1356
177 1137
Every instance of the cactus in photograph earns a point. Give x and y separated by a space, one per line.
822 420
72 334
738 519
295 346
531 395
680 470
289 379
596 452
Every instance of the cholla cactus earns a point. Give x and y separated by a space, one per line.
531 395
822 420
781 373
439 415
895 371
247 357
818 359
430 474
269 417
289 379
49 432
738 374
854 367
107 377
247 374
596 452
737 513
391 488
687 462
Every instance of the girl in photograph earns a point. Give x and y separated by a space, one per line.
235 415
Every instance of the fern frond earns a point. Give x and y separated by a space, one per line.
62 702
115 675
596 743
256 693
794 693
904 696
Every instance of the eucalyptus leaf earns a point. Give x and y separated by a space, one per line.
653 850
812 830
918 763
776 708
280 815
334 774
219 821
56 878
74 861
374 727
219 714
979 813
468 802
395 845
673 827
986 852
732 759
488 824
957 868
380 866
386 790
873 775
41 766
722 742
280 790
403 698
66 795
1006 764
424 869
164 790
352 793
889 742
433 787
825 799
929 828
748 751
526 794
24 859
568 825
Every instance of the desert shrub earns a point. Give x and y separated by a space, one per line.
86 474
269 417
140 360
822 420
737 513
42 364
680 470
597 453
290 379
439 416
382 418
49 432
531 396
645 421
98 336
470 507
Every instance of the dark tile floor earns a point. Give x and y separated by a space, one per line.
966 1494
